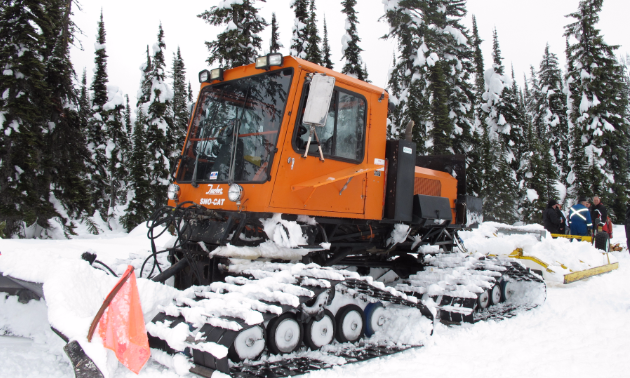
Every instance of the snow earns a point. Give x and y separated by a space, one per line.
580 331
532 195
399 234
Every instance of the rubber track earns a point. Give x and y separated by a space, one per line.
302 365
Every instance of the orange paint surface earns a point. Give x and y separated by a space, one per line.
298 185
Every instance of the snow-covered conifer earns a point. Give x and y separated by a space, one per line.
478 155
350 50
97 129
503 117
274 44
326 61
180 111
107 139
313 52
427 33
239 44
24 100
299 38
537 171
66 144
501 103
140 205
159 134
597 112
550 118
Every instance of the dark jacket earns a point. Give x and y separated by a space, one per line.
563 222
628 215
599 212
552 220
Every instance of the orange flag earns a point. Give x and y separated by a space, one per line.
122 325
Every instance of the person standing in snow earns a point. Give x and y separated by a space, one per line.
552 218
563 219
628 227
580 218
599 214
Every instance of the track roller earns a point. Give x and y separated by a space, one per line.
374 318
350 323
284 334
318 333
249 344
484 300
495 294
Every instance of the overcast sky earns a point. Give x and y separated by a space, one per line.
524 28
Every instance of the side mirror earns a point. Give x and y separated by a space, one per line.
318 103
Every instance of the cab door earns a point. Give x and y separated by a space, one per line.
335 185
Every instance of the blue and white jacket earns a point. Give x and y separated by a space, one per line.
580 220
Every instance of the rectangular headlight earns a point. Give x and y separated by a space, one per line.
261 62
274 59
204 76
216 74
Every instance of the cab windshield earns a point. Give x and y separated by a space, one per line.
234 133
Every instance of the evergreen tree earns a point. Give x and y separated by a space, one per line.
127 115
550 118
504 120
407 83
159 134
97 132
434 55
351 52
85 110
299 38
180 111
539 176
313 52
106 137
66 143
597 111
326 61
24 101
239 44
140 205
478 155
501 189
274 45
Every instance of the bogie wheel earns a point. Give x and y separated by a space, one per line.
350 324
375 318
284 334
507 288
484 300
602 241
495 294
249 344
320 333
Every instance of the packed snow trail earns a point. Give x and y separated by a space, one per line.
582 330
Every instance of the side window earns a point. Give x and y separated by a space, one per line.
343 137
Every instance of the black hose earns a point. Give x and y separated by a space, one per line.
106 267
179 218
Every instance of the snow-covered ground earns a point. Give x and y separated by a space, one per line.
582 330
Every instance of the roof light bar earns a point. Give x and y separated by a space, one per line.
270 60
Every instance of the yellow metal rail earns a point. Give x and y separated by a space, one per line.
573 276
578 237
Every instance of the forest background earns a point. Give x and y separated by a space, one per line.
80 150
